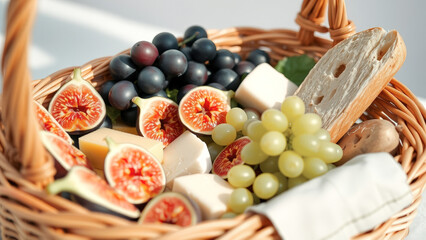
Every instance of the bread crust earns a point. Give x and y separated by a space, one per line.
348 78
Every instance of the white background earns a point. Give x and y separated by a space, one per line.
70 33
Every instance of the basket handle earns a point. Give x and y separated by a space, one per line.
23 147
312 15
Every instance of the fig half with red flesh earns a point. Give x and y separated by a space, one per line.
229 157
93 192
77 106
158 119
64 153
48 123
172 208
203 108
133 171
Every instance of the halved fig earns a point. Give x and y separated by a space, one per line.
203 108
172 208
93 192
134 172
48 123
158 119
77 106
229 157
64 153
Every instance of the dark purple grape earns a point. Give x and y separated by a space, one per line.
107 123
237 58
176 82
191 31
121 95
122 67
184 90
160 93
203 50
151 80
217 85
244 67
173 63
258 56
166 83
223 59
195 74
226 77
144 53
104 90
187 52
130 116
165 41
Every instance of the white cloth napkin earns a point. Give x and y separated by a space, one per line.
348 200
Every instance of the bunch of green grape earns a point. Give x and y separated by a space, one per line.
288 148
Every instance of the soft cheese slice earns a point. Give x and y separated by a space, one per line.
264 88
186 155
209 191
96 149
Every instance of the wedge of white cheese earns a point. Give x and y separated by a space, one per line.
209 191
264 88
186 155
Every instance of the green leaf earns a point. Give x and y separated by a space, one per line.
113 113
172 94
296 68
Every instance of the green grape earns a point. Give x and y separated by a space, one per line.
241 176
293 182
224 134
256 130
308 123
323 135
270 165
306 145
282 182
265 185
245 126
228 215
251 113
314 167
236 117
214 150
240 199
330 152
273 143
330 166
293 107
290 164
274 120
252 154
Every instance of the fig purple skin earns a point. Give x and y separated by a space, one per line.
93 192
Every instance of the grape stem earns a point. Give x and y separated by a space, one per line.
185 41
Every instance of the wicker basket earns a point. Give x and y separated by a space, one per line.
27 212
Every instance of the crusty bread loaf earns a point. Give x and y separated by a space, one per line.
348 78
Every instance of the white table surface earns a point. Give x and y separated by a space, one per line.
70 33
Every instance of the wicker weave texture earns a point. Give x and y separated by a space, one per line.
27 212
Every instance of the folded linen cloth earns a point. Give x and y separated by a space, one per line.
348 200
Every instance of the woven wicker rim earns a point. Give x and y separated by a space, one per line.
27 212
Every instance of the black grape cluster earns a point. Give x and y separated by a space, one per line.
166 64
